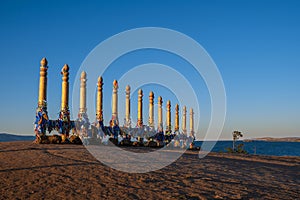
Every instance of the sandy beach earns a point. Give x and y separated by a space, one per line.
32 171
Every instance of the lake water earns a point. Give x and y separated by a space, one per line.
260 147
254 147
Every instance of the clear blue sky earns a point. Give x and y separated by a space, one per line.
255 44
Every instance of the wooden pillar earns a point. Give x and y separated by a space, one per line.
151 109
65 88
176 127
82 107
127 107
99 111
140 108
192 133
168 117
43 83
184 120
160 115
115 118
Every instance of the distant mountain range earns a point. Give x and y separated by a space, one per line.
271 139
5 137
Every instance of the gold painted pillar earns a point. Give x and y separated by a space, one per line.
65 88
184 120
43 82
82 106
160 116
127 107
151 110
168 116
192 123
140 108
115 103
176 127
99 111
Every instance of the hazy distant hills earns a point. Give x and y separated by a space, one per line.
270 139
5 137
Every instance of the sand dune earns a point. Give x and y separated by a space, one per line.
31 171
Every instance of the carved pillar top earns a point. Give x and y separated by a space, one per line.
168 105
115 85
44 62
160 101
65 72
127 90
100 83
151 95
177 109
83 75
140 94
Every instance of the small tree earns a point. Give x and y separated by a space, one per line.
239 148
236 135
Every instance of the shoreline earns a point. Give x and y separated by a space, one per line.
221 150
